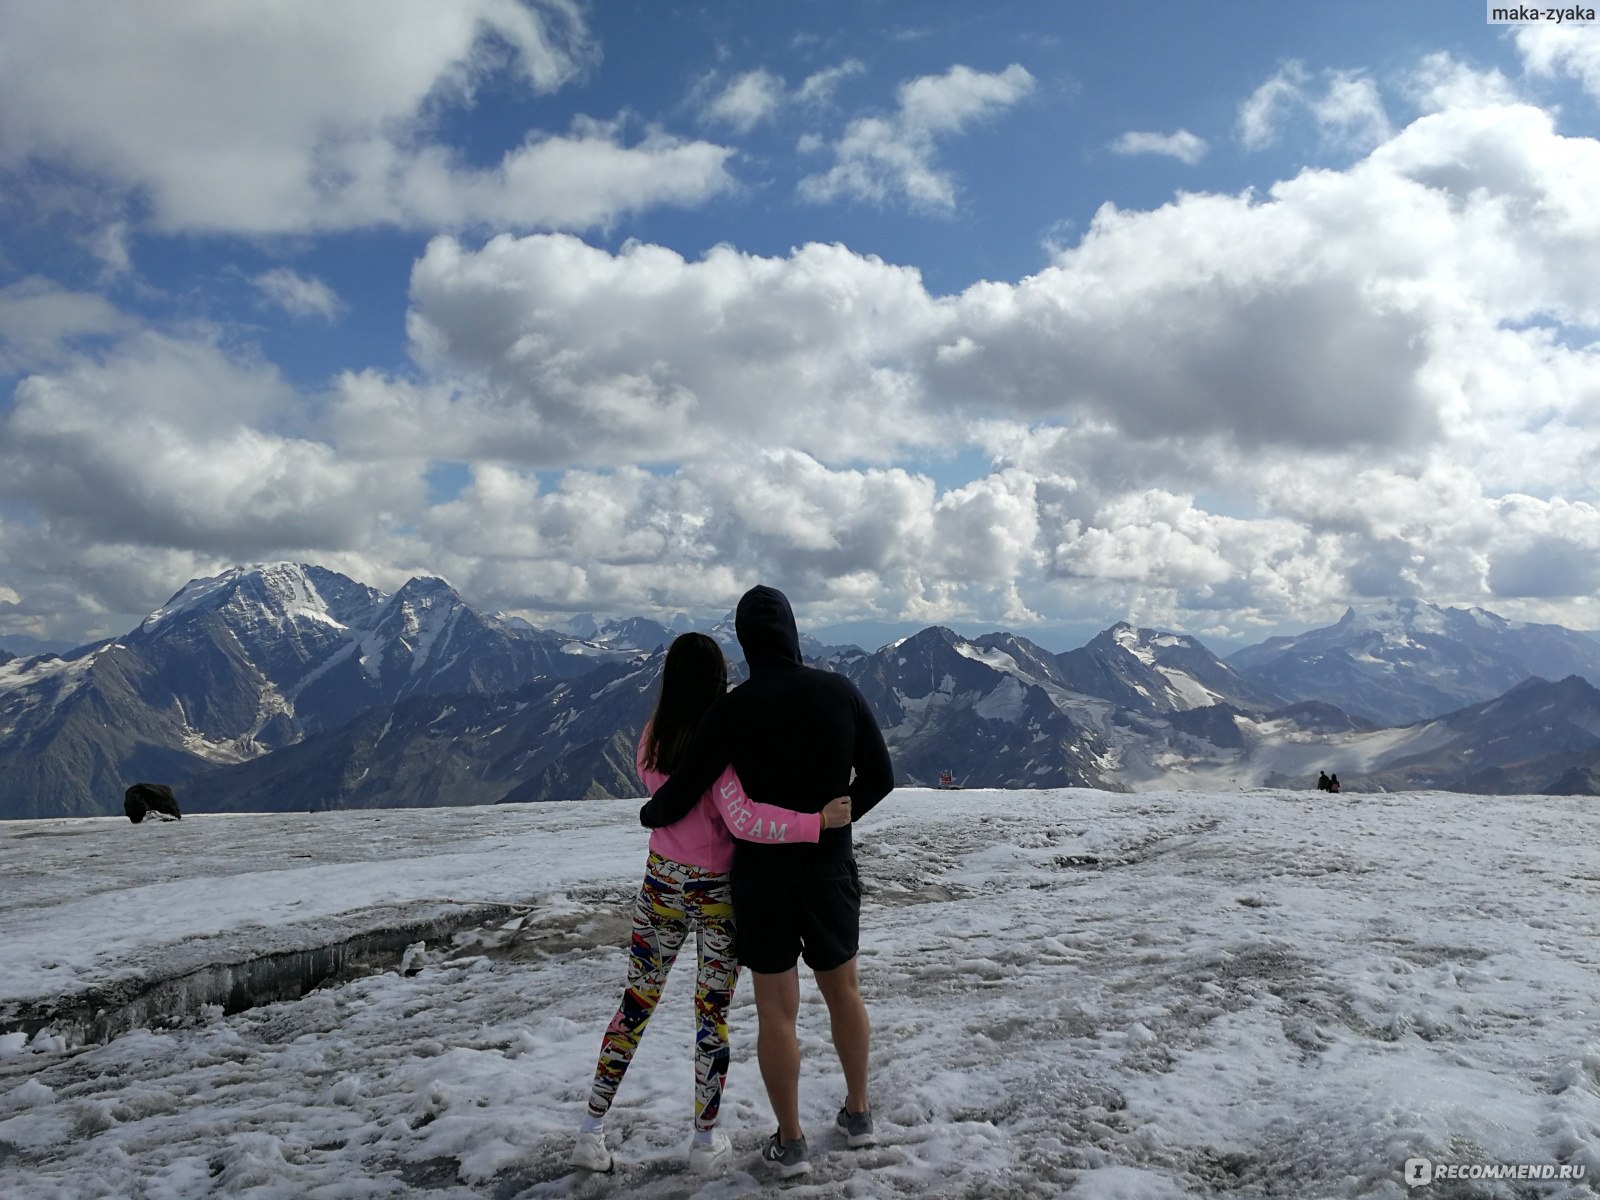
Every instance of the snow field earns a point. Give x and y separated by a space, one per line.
1073 993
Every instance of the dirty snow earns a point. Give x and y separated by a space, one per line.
1074 993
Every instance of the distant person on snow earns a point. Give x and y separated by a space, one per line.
1324 784
1333 783
795 734
687 886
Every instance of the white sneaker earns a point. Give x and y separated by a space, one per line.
713 1157
589 1152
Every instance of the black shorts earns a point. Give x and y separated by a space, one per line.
811 911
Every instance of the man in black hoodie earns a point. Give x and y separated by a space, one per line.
798 737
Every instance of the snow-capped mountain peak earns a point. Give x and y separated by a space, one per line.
240 665
1136 642
1399 620
1401 660
192 595
422 603
429 585
415 619
1157 672
277 592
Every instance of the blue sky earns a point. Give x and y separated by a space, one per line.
1034 315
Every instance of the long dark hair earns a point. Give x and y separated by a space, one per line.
694 675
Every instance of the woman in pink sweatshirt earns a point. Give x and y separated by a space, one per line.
686 886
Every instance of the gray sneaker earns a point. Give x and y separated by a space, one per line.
857 1128
791 1159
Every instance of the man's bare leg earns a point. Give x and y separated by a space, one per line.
778 1047
852 1030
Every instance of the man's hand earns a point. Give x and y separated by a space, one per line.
836 813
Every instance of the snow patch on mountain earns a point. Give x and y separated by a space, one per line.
990 657
369 653
189 597
587 650
1005 703
1128 638
426 625
1188 690
30 688
63 674
218 750
1397 619
288 592
919 710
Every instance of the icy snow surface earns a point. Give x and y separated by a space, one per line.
1073 993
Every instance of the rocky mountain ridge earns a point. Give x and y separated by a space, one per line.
289 685
1407 660
242 665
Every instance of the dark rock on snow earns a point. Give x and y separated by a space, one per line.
144 798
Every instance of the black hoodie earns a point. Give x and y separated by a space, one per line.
794 733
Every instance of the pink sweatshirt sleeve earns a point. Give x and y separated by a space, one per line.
753 821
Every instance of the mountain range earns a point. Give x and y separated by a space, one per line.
1406 660
290 686
241 665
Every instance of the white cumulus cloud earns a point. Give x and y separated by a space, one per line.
559 352
1229 411
1551 49
1441 82
1182 145
894 157
300 116
758 96
1344 368
40 319
1264 109
135 449
747 100
1345 106
298 295
820 86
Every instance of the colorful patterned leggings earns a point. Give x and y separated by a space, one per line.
674 898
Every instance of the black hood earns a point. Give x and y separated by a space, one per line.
765 625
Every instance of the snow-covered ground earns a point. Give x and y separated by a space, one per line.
1109 997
